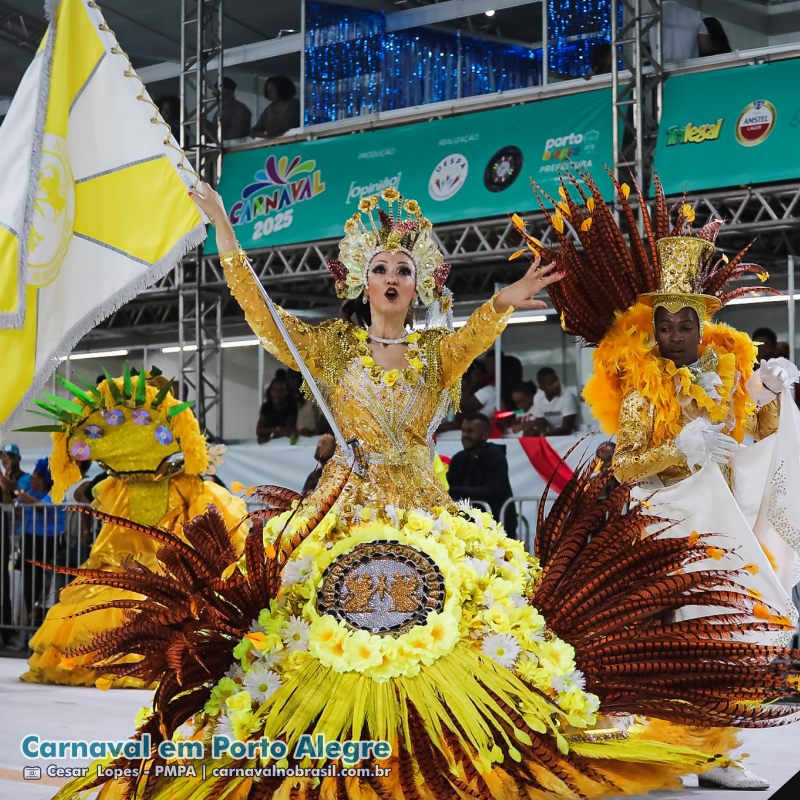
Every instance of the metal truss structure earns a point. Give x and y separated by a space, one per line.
637 91
199 308
21 29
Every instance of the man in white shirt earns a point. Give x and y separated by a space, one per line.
555 410
684 34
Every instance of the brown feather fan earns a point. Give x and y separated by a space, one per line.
608 264
192 616
612 581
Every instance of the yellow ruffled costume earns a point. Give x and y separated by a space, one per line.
633 392
167 500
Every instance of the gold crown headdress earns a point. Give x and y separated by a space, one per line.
609 266
401 228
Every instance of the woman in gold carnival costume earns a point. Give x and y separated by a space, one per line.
677 389
155 455
375 610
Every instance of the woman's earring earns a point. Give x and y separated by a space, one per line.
415 303
364 299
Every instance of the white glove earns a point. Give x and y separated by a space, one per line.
770 379
777 374
700 442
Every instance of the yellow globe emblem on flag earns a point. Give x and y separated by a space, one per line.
53 213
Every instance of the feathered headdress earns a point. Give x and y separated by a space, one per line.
609 266
400 227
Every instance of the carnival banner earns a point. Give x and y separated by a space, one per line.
464 167
730 127
93 202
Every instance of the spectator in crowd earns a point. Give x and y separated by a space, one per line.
12 480
282 113
326 447
600 62
719 39
235 116
309 418
684 34
169 107
522 397
278 414
555 410
41 525
483 389
767 342
480 470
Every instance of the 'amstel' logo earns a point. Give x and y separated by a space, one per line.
755 123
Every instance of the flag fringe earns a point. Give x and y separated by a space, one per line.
117 300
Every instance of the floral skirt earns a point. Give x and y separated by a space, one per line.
413 632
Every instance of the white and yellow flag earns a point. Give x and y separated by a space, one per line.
93 198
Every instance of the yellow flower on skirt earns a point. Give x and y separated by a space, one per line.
362 650
326 640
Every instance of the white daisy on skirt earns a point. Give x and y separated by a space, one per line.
478 565
224 727
502 647
295 634
261 683
296 570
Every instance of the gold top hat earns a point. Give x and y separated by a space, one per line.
682 260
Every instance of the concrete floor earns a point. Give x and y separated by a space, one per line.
58 712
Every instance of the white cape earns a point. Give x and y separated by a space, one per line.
763 510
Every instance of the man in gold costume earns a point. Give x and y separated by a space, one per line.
677 389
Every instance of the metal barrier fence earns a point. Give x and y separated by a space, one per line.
46 533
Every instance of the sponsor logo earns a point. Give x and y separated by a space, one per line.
357 191
448 176
387 151
570 146
278 187
456 140
693 134
755 123
502 169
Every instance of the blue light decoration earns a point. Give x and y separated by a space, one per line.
574 27
355 67
343 62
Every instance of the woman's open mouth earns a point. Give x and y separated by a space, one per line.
391 294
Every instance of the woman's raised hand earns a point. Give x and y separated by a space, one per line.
210 203
520 294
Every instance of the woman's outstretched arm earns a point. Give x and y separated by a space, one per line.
244 287
459 349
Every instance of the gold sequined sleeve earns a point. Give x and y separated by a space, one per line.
634 458
765 421
461 348
308 338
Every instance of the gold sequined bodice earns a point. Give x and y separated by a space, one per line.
393 421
